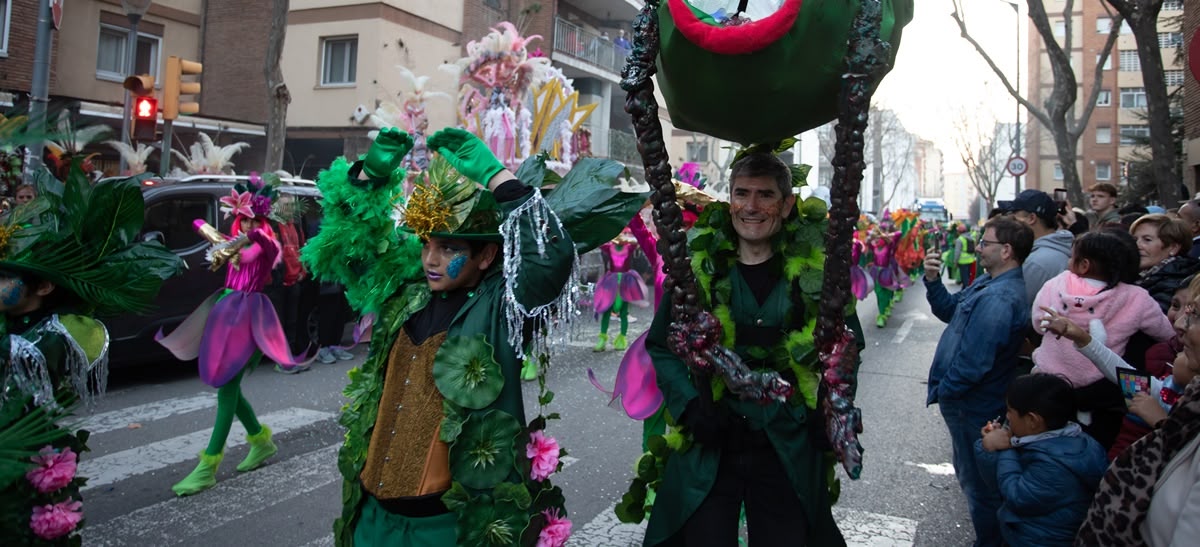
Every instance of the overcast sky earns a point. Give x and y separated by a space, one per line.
939 76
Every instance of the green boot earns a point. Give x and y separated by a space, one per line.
528 370
261 448
881 321
600 344
203 477
619 343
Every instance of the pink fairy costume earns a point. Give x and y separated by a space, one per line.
861 284
884 267
233 329
618 284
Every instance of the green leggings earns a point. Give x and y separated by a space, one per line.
230 402
622 309
883 298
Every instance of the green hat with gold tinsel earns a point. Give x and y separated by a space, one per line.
86 238
446 204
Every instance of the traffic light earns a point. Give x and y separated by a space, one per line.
174 86
145 118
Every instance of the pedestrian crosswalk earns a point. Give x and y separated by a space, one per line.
294 499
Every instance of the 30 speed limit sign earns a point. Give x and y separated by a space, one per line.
1017 166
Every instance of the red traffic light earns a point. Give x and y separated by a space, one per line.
145 108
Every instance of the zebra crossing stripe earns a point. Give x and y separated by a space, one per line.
118 466
149 412
860 528
181 519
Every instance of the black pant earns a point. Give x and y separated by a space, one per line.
749 472
332 311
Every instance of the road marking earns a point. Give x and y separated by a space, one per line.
181 519
860 528
906 327
567 461
149 412
119 466
934 468
326 541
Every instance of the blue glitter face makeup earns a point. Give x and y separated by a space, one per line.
456 265
11 290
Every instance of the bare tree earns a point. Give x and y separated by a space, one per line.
1057 113
892 148
278 97
1142 16
985 153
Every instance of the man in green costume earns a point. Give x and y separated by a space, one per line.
772 457
436 447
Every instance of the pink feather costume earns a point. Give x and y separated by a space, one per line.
229 326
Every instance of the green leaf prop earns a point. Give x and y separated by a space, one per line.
590 205
533 172
452 422
489 522
483 453
465 372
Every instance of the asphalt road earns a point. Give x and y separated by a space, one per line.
155 419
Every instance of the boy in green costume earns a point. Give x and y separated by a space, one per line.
437 448
758 276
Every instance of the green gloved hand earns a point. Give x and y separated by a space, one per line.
466 153
386 153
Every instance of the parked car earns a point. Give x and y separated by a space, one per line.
171 206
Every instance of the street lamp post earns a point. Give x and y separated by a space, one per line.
134 10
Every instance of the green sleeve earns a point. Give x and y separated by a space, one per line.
673 376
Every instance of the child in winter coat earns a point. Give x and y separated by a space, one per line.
1095 288
1046 468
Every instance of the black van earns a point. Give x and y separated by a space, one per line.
171 206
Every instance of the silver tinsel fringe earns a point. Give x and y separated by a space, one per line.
555 317
29 375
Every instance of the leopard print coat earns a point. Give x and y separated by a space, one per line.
1116 515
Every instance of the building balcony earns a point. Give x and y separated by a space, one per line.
587 51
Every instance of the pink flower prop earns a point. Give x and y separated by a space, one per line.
260 206
542 452
238 204
55 521
55 471
556 531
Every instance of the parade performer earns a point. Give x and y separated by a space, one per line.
83 259
766 65
438 451
861 284
617 289
231 330
885 270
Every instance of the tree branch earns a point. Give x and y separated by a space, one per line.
1038 113
1097 76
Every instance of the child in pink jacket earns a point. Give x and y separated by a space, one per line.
1093 289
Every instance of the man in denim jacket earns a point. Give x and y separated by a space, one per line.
976 357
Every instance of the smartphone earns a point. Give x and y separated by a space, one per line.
1060 198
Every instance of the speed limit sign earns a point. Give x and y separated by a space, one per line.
1017 166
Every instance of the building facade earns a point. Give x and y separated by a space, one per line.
1191 100
1118 120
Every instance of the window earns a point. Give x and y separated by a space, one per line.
1133 97
1104 135
697 151
1174 77
339 61
169 219
5 14
1130 61
494 4
1172 5
1170 39
1134 134
1107 62
1103 25
111 52
1103 170
1104 98
1058 174
1060 28
1125 29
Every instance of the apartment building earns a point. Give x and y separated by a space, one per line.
1116 123
88 64
1191 99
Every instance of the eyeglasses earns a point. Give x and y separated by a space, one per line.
984 243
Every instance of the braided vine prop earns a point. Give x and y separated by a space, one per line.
695 333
